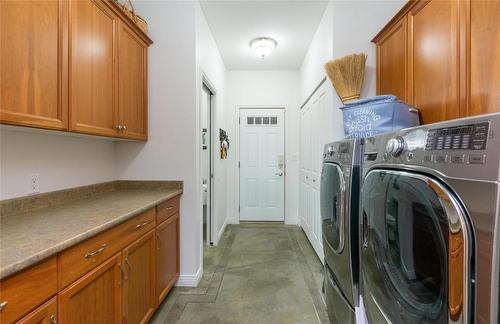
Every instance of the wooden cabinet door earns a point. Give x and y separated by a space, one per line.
434 59
484 57
92 68
32 73
45 314
138 259
167 256
392 61
132 88
94 298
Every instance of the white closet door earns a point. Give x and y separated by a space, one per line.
315 133
262 165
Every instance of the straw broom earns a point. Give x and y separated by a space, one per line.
346 74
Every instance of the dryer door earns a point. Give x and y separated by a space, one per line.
415 250
332 205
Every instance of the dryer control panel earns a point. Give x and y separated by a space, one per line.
464 137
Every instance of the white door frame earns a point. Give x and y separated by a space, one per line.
237 153
205 81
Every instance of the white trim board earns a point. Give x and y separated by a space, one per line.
189 280
221 232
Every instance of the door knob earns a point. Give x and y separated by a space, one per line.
279 174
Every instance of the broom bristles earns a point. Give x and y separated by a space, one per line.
346 74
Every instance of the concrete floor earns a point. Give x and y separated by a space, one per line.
259 273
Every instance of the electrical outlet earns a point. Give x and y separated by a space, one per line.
34 184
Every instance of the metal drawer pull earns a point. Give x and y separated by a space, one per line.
53 319
169 208
142 225
3 304
413 110
96 252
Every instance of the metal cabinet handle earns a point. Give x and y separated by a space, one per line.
124 127
413 110
119 127
96 252
3 304
169 208
159 242
128 264
124 275
142 225
53 319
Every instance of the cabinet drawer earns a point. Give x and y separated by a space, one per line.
78 260
167 209
27 289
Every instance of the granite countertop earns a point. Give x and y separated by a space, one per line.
34 229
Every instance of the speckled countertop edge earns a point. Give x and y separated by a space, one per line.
21 264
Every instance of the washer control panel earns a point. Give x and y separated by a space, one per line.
464 137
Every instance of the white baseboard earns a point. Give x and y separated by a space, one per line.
292 221
190 280
221 232
232 220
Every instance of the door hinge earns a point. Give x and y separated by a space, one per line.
239 209
239 164
239 120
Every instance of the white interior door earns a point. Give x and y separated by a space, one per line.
262 165
206 165
315 121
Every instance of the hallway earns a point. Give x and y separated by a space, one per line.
259 273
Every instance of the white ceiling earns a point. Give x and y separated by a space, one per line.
235 23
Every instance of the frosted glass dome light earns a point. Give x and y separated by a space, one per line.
263 46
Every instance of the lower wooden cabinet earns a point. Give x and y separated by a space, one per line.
45 314
167 256
23 292
138 262
94 298
129 271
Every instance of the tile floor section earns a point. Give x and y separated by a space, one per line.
259 273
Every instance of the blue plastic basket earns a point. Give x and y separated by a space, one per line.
377 115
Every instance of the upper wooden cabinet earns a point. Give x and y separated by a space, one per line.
33 61
434 66
92 68
484 57
452 64
132 84
392 61
79 60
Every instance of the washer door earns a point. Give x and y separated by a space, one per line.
415 246
332 205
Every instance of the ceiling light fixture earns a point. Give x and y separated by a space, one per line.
263 46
